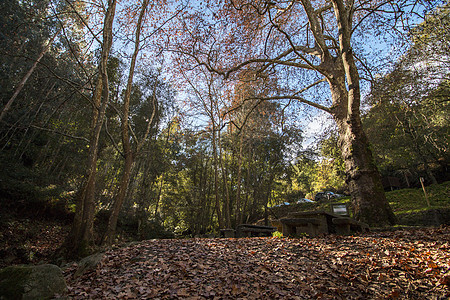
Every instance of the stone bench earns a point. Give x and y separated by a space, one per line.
345 226
248 230
295 226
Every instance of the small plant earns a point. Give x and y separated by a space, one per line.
277 234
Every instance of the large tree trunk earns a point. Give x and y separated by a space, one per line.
367 193
368 198
82 233
364 181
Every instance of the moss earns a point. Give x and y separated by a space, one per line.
410 200
12 281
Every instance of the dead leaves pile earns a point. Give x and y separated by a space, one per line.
25 241
401 264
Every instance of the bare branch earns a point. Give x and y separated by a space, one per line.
310 86
300 99
149 123
371 11
112 139
69 44
296 49
316 28
61 133
84 21
246 116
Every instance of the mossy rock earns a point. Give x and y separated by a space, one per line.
31 282
89 263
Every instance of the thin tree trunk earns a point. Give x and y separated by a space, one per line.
216 176
407 180
267 197
25 78
226 201
247 193
205 196
158 197
108 238
419 151
82 233
109 235
238 213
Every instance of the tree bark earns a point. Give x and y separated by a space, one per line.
238 213
364 181
158 197
328 57
82 233
367 193
226 196
110 232
108 237
216 175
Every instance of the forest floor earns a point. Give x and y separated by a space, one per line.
404 264
30 240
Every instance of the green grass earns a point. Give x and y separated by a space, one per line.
413 200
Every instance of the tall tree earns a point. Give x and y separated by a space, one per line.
82 233
126 143
308 42
39 128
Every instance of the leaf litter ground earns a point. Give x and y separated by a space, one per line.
380 265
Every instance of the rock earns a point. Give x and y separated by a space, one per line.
88 263
32 282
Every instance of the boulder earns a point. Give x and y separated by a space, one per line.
88 263
32 282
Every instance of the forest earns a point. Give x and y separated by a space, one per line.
134 133
155 119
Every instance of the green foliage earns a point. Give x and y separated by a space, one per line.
154 230
311 175
304 172
45 135
36 150
408 122
16 180
432 35
277 234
